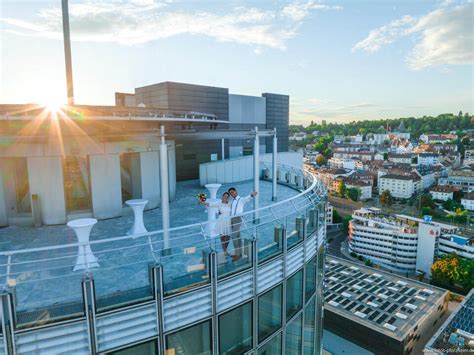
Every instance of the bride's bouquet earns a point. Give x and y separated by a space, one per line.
202 197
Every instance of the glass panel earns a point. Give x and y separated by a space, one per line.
23 201
229 265
272 347
320 266
148 348
312 219
196 340
269 312
319 319
293 336
294 294
310 277
294 229
130 176
309 325
235 330
270 239
77 183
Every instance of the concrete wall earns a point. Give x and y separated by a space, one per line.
46 180
150 178
427 235
247 109
105 186
3 209
172 170
241 169
278 116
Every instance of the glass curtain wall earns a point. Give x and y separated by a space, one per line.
148 348
269 312
309 327
310 278
293 336
272 347
235 330
77 183
195 340
294 294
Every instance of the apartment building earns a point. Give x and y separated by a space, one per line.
468 157
443 193
462 178
400 186
402 243
364 188
400 158
428 158
468 201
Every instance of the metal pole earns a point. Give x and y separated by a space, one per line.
222 148
274 166
164 187
256 173
67 52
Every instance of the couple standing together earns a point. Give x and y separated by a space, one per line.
230 220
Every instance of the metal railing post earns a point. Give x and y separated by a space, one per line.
255 291
88 294
283 334
8 322
158 290
213 277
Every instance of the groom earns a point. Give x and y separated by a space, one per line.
236 210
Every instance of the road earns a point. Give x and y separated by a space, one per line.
335 238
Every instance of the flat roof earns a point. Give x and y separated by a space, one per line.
385 302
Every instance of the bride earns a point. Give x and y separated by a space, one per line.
223 221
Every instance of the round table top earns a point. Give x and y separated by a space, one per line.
81 222
136 201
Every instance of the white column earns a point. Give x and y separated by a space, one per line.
150 178
256 172
106 188
172 169
274 167
223 148
165 207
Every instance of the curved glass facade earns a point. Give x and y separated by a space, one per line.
191 300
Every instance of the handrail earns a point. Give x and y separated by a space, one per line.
202 225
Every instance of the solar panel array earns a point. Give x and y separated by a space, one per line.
383 300
454 336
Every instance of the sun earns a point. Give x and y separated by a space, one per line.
52 102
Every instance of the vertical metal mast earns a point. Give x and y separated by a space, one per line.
67 53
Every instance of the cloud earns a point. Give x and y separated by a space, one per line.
443 37
142 21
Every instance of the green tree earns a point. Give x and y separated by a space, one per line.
336 217
386 198
320 160
353 193
451 271
427 201
426 211
345 225
341 189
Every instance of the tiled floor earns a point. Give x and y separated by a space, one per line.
124 264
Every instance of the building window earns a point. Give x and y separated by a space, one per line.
193 340
294 294
310 277
269 312
77 183
148 348
272 347
23 201
293 336
235 330
309 327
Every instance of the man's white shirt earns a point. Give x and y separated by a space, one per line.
237 206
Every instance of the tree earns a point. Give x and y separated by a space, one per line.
451 271
336 217
345 224
320 160
385 156
426 211
341 189
427 201
451 205
385 198
368 262
353 193
466 141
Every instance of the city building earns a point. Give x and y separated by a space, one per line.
462 178
402 243
115 279
364 156
456 335
438 138
380 312
329 176
400 186
443 193
467 201
405 158
428 158
365 189
342 163
468 157
329 213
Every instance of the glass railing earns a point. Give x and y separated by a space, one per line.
46 287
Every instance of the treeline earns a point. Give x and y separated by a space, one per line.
416 126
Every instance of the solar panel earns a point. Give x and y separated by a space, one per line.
374 315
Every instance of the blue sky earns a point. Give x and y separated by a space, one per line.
338 60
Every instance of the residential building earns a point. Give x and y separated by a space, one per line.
400 186
329 213
467 201
364 188
342 163
456 335
462 178
364 156
438 138
403 243
328 176
379 311
428 158
468 157
298 137
443 193
405 158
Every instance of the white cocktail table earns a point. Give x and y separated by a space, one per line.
137 206
85 258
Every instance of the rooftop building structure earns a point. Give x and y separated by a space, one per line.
379 311
462 178
158 281
456 335
403 243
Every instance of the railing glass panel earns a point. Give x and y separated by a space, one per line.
240 260
270 233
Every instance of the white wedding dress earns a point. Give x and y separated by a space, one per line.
223 221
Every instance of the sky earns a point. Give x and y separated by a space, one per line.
338 60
